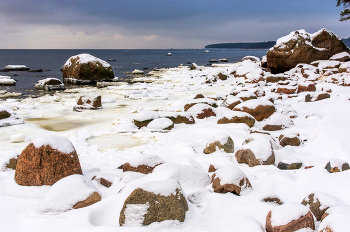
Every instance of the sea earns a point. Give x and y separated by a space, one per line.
122 61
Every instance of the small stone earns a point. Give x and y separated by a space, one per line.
337 165
289 164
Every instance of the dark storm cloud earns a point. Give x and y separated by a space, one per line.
221 21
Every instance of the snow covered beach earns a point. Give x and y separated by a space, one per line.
107 138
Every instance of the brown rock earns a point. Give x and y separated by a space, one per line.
275 78
309 88
199 96
4 114
249 120
222 76
88 102
182 119
291 140
95 197
212 168
45 166
289 166
189 105
260 112
246 156
140 124
160 208
206 113
235 188
103 181
268 127
90 71
286 90
12 164
228 147
141 168
337 165
322 96
306 221
274 200
315 206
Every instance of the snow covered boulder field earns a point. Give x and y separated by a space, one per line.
181 153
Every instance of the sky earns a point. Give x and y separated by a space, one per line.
162 24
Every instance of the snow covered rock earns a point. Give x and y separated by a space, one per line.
89 102
8 117
143 164
256 152
245 67
202 111
180 117
273 78
319 202
289 217
154 202
161 124
46 160
291 139
286 90
219 141
49 84
277 122
6 80
236 117
222 76
258 108
316 97
290 164
194 66
302 47
207 101
71 192
16 68
144 118
342 57
231 101
230 179
306 87
252 58
337 165
87 68
335 223
246 95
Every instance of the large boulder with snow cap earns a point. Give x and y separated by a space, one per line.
302 47
259 151
71 192
154 202
230 179
289 217
46 160
230 116
220 142
143 164
87 68
258 108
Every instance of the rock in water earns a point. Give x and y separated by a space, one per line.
46 160
49 84
302 47
154 202
85 67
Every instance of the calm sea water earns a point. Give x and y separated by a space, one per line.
52 60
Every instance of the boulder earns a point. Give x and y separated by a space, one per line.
88 102
154 202
290 164
46 160
319 202
306 87
246 95
337 165
273 78
258 108
259 151
181 117
289 217
143 164
207 101
302 47
277 122
291 139
286 90
236 117
222 76
230 179
202 111
231 101
49 84
194 66
219 142
86 68
143 118
161 124
71 192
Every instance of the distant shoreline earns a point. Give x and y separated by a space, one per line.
255 45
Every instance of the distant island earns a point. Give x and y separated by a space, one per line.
255 45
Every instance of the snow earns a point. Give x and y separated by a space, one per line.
65 193
335 162
292 36
229 114
6 80
149 160
198 109
15 66
339 55
326 200
222 138
163 188
18 138
146 115
160 124
283 214
261 147
57 142
86 58
252 104
246 67
135 214
230 175
339 223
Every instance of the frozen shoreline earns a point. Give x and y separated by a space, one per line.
106 138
